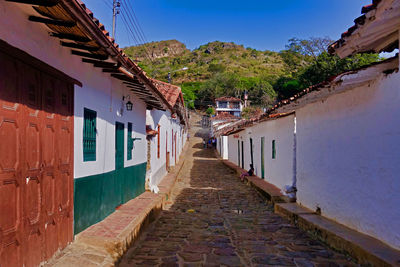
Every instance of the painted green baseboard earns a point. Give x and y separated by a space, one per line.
97 196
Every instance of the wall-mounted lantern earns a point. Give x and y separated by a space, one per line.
129 104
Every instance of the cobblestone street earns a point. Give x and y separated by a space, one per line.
214 219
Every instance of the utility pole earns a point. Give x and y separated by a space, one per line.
116 5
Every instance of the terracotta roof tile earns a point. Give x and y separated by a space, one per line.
228 98
170 92
358 22
224 116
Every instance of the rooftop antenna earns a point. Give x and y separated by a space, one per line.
116 6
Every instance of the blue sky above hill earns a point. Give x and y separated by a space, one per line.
260 24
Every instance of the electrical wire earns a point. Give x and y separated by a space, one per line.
135 29
135 19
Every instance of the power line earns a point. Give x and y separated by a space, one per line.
134 28
107 4
130 7
129 28
134 36
133 22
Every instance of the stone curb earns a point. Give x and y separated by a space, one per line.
269 191
104 243
363 248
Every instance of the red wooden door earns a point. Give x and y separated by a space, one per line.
11 181
31 117
36 181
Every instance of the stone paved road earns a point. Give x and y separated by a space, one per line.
215 220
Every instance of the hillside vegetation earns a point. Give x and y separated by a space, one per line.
227 69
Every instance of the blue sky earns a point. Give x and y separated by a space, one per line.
260 24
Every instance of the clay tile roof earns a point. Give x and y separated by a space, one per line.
228 98
170 92
224 116
358 22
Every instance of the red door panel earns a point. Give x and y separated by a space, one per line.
11 226
36 163
30 91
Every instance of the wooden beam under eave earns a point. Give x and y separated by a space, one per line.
79 46
72 37
89 55
63 23
122 77
101 64
137 87
110 70
45 3
134 84
140 93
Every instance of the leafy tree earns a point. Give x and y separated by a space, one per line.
326 66
310 64
250 112
189 90
210 111
311 47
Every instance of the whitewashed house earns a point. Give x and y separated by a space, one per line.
339 141
167 133
231 105
71 148
268 144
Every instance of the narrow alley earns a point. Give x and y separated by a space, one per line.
214 219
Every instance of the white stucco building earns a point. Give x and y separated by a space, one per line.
231 105
338 142
167 134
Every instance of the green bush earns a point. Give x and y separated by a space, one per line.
210 111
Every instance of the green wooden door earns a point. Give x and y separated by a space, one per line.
262 158
119 162
119 145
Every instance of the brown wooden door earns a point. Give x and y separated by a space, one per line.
31 117
36 180
11 166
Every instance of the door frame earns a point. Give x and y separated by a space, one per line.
251 151
242 154
262 157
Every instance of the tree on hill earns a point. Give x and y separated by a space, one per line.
226 69
312 64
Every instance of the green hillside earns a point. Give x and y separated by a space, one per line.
228 69
205 61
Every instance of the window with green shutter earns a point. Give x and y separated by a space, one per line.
89 135
273 149
129 142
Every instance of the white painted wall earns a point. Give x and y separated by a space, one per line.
158 168
278 171
106 109
348 158
233 149
100 92
167 125
224 147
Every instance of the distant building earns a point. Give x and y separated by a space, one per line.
231 105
